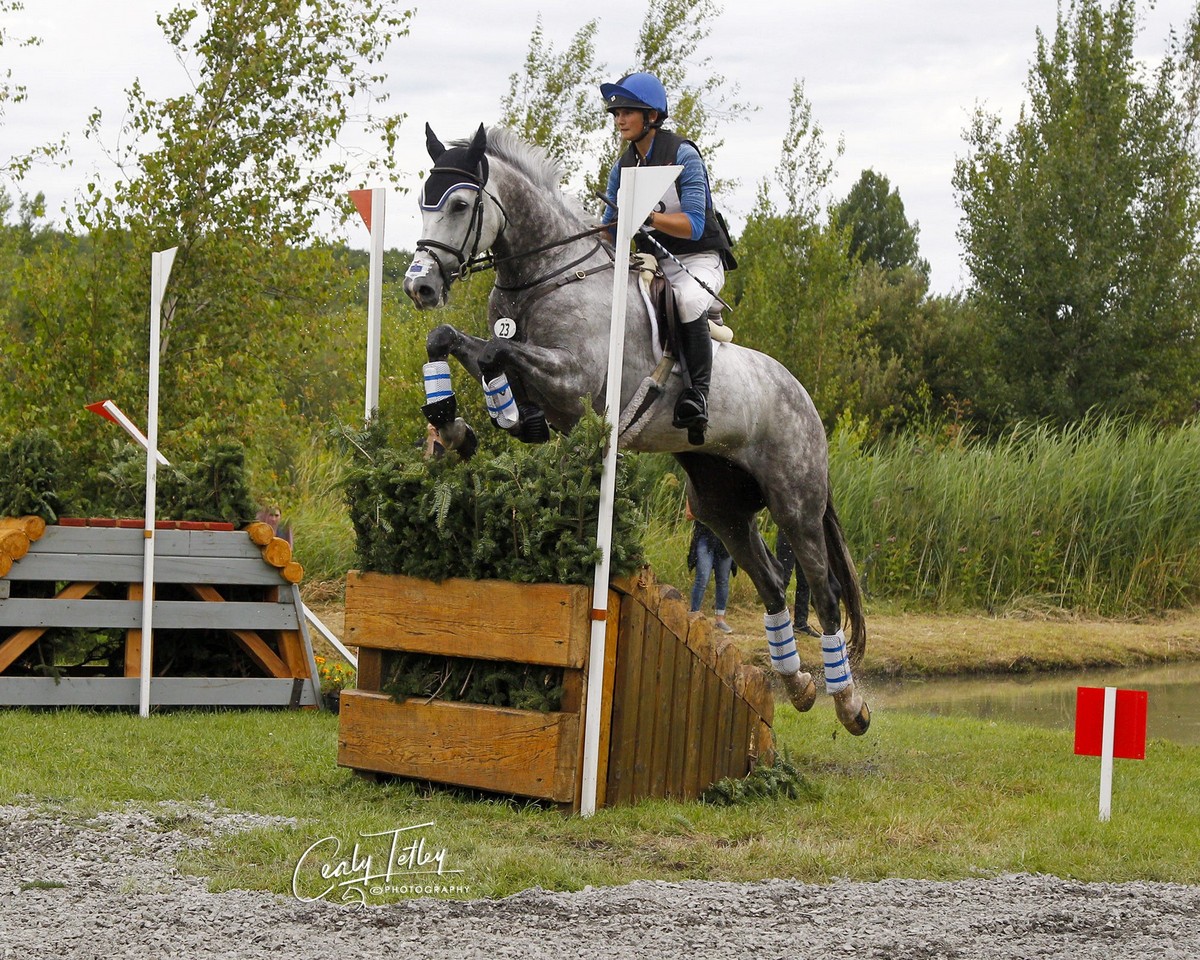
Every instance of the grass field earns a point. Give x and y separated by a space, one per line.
916 797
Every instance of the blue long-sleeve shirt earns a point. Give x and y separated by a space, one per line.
692 181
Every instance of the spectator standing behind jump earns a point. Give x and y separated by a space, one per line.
271 515
784 554
709 558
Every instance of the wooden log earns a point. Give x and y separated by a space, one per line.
678 719
624 736
133 636
756 689
260 533
278 552
292 572
14 542
728 659
647 707
664 698
692 787
673 612
739 759
6 563
32 526
699 640
612 640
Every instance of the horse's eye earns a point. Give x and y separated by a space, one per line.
458 205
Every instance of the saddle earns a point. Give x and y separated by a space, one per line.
661 302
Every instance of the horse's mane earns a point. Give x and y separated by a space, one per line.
537 165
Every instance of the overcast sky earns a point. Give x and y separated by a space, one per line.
896 79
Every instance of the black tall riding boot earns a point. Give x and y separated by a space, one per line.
695 344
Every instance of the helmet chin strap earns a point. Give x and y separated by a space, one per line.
648 128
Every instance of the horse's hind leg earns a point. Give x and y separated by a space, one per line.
727 499
807 536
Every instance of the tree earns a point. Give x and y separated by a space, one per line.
235 173
555 101
1080 225
11 92
795 281
879 230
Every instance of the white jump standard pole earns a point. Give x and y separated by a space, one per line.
640 189
160 270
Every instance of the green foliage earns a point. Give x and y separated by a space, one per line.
214 487
11 92
879 231
527 515
1102 518
31 465
498 684
795 277
1080 226
781 780
273 84
553 101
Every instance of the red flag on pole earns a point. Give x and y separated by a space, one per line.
101 408
362 203
1129 728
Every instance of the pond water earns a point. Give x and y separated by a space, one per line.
1172 711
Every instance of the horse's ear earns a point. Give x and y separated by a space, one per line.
433 144
478 148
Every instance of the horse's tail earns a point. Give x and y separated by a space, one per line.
842 567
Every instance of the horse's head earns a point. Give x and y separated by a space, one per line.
460 219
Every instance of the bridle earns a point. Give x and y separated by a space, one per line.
466 254
474 260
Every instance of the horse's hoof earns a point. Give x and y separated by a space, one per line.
857 723
801 690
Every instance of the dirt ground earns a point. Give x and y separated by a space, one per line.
108 887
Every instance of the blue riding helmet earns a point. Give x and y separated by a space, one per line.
639 91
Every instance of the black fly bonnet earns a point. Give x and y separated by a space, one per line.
460 167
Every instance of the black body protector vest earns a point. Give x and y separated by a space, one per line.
714 237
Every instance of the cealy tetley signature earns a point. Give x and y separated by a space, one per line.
407 857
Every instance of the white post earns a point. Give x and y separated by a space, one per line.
370 205
1106 752
640 189
160 270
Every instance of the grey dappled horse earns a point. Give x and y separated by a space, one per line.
497 201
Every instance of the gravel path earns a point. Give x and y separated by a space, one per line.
107 887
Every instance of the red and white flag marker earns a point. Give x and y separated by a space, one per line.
1110 723
369 204
110 411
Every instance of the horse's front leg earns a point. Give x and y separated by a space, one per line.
547 383
441 406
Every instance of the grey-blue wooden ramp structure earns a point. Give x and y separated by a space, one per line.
77 560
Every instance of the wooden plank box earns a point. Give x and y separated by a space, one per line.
676 713
522 752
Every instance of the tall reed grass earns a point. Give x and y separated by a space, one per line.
315 508
1100 518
